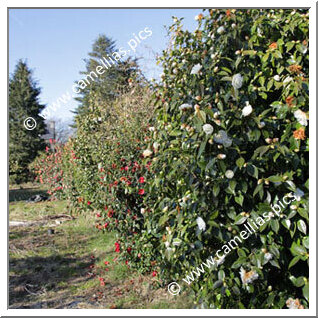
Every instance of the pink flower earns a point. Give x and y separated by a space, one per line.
141 180
141 191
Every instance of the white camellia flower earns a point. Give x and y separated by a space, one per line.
213 56
222 138
268 256
271 214
301 117
220 261
247 110
277 78
261 125
287 80
142 210
201 224
298 194
229 174
220 30
185 107
151 128
196 69
248 277
208 129
155 146
147 153
221 156
237 81
293 303
233 25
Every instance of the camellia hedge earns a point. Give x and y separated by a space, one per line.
227 143
233 140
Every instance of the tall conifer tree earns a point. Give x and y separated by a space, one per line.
115 78
24 102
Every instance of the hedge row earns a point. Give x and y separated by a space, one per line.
227 141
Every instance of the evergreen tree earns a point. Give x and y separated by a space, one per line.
24 144
115 78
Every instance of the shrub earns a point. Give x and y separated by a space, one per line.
228 141
110 174
233 140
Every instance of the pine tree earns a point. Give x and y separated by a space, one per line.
24 144
114 80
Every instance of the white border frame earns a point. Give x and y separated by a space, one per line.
161 312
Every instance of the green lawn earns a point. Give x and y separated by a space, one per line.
63 270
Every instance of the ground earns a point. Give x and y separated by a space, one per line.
58 261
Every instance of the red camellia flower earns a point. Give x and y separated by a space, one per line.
105 225
141 191
154 273
89 202
141 180
106 262
126 168
117 249
129 250
98 215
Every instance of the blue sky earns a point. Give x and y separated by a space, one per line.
55 41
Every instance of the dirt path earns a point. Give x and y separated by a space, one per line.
66 268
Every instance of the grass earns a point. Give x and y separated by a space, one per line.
63 270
